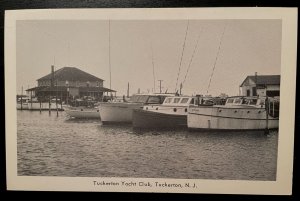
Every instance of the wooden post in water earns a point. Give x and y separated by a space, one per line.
22 99
21 103
267 116
61 100
50 105
56 105
40 106
31 100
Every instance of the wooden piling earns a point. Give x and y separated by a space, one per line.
267 116
31 100
56 105
21 102
61 96
49 105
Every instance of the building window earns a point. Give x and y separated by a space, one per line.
248 92
254 91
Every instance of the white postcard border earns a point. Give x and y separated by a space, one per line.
283 184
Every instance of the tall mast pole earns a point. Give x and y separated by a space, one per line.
160 85
109 55
153 67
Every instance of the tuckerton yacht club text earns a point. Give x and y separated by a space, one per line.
145 184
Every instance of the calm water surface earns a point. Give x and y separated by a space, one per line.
58 146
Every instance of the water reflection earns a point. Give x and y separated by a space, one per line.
59 146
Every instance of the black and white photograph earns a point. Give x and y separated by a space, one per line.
151 100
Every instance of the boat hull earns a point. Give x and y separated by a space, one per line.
82 113
222 118
111 113
149 119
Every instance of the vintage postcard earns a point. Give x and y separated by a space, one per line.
185 100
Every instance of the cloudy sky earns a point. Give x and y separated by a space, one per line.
247 46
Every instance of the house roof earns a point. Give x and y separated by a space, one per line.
264 79
71 74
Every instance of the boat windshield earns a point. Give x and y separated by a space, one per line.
139 98
154 100
134 98
250 101
184 100
142 99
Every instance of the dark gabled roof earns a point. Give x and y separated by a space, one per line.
36 88
264 79
71 74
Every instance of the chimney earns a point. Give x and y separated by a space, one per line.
52 75
256 78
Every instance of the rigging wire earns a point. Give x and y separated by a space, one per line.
153 67
152 57
109 64
187 28
192 57
216 59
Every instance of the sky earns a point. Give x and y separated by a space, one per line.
145 51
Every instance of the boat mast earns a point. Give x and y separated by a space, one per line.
128 90
187 28
160 85
153 67
191 59
216 59
109 64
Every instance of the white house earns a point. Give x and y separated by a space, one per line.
261 85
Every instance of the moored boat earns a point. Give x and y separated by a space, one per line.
171 114
121 112
82 112
239 113
82 109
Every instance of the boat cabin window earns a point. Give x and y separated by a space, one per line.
134 98
184 100
168 100
154 99
252 101
261 103
192 101
230 100
176 100
237 101
142 99
139 98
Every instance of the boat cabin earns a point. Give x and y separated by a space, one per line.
245 101
180 101
148 99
